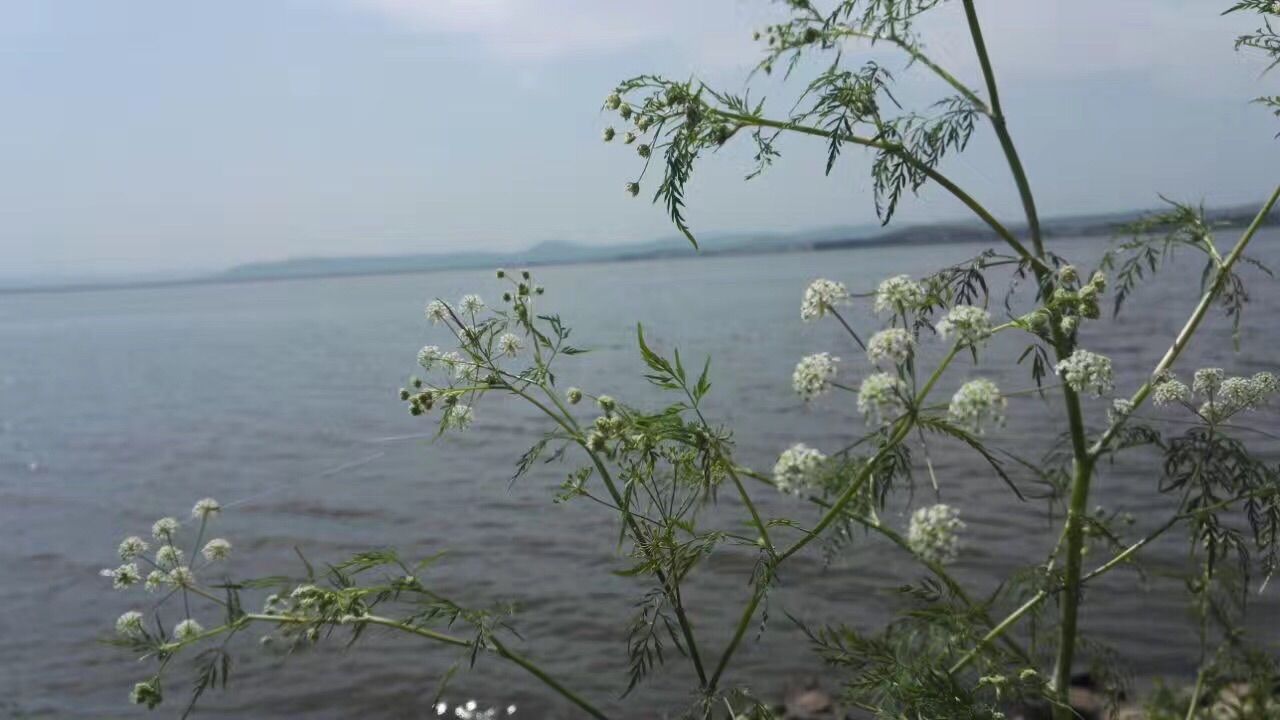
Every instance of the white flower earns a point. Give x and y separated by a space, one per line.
1084 370
976 403
123 576
933 533
812 375
131 547
606 403
797 468
164 528
893 344
471 304
881 398
168 556
458 417
821 296
216 549
1207 381
428 355
182 576
156 579
898 294
573 395
1241 393
970 324
187 630
206 508
1170 391
129 625
509 344
1119 410
437 312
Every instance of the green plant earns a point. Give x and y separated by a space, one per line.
949 653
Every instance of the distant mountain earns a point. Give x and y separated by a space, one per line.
559 252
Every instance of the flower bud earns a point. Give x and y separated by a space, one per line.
625 112
608 134
633 188
1067 274
643 150
613 101
606 403
501 273
629 138
574 395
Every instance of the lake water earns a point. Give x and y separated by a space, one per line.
278 398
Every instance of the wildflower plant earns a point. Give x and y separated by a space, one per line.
952 651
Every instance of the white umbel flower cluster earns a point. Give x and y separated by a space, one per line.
164 528
187 630
976 404
132 547
437 312
1207 381
471 304
821 296
216 549
813 374
1085 371
969 324
428 356
1237 394
881 398
892 344
797 468
898 294
168 556
1170 391
459 417
206 508
509 344
129 625
934 533
124 576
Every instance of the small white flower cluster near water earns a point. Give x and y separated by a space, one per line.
898 294
1085 371
977 404
882 398
821 296
798 468
933 533
1221 396
813 375
967 323
892 344
170 571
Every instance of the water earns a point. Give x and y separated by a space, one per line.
278 398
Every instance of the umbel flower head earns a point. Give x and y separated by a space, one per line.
164 528
813 374
821 296
509 344
1085 371
206 508
132 547
968 323
892 344
187 630
168 556
471 304
1168 390
216 549
798 468
898 294
437 312
129 625
881 398
123 576
934 533
428 356
977 403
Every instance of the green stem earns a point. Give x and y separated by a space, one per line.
1189 328
958 192
918 56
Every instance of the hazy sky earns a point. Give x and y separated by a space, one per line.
154 135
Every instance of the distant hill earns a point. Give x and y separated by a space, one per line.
561 252
558 252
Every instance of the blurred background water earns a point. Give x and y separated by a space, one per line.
277 398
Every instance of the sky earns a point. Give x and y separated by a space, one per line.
163 136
